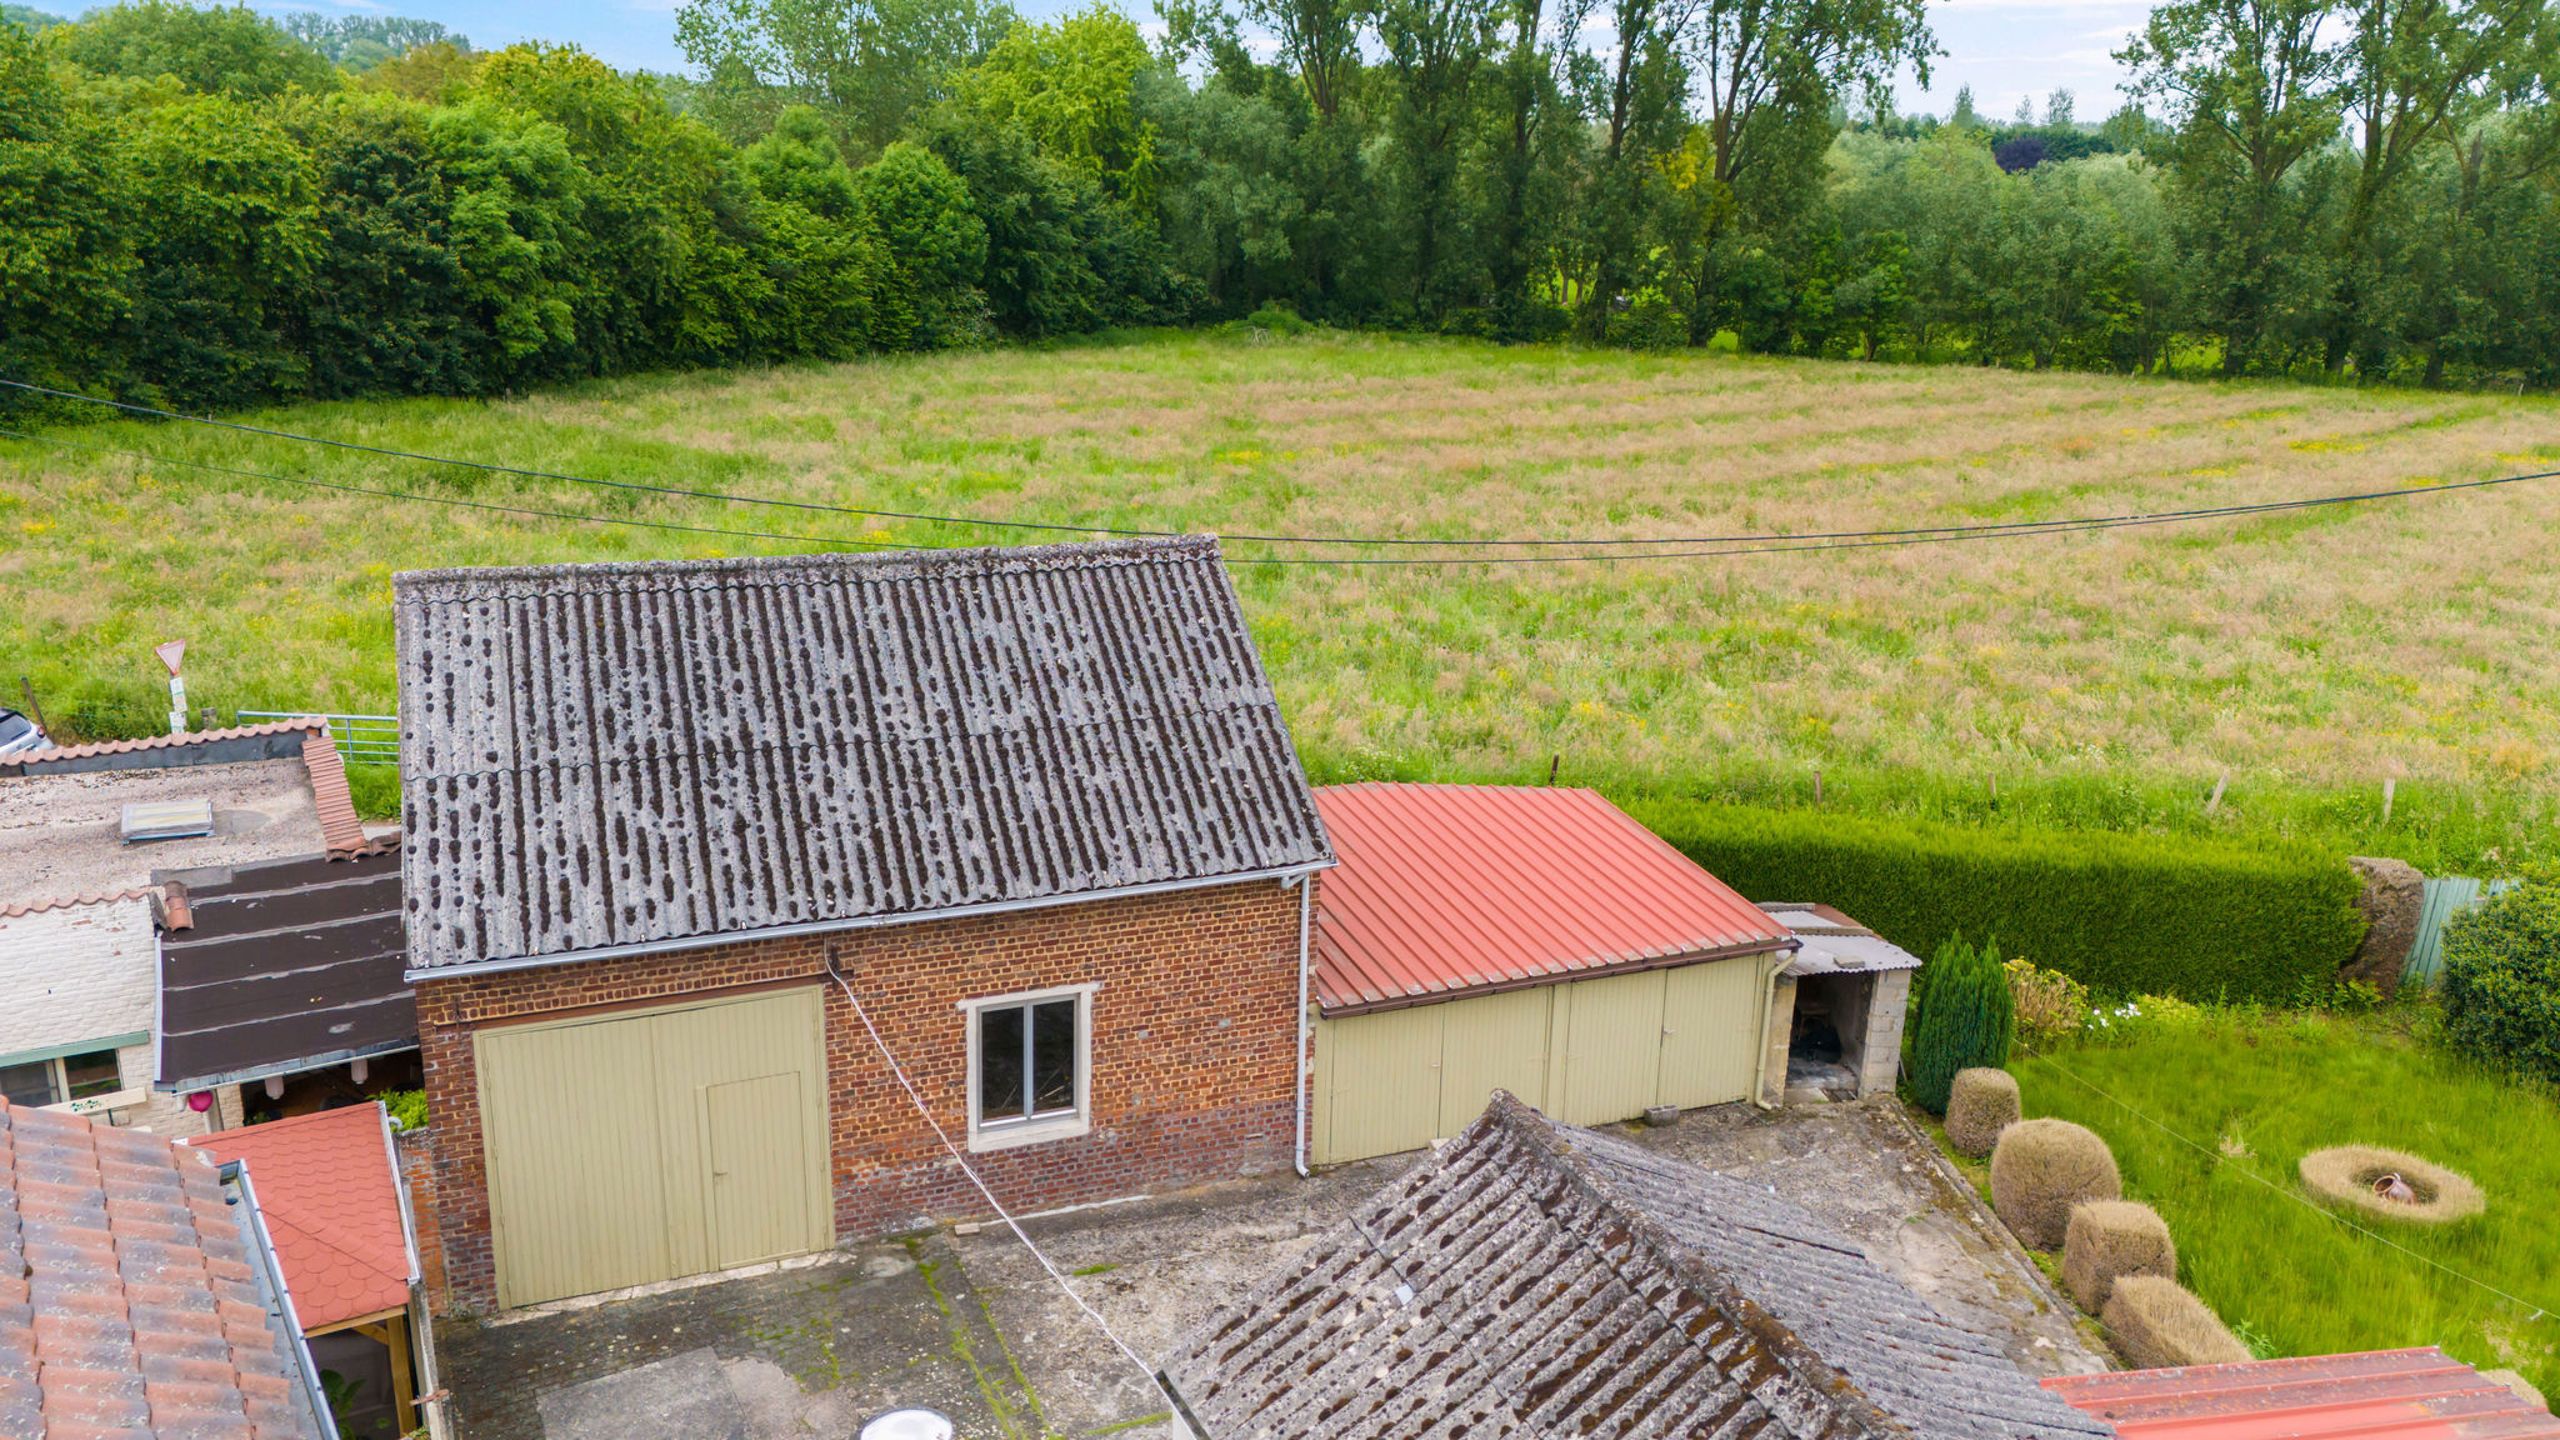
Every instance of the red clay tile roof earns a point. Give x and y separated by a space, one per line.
1450 888
20 908
128 1302
339 827
2421 1394
331 1198
167 742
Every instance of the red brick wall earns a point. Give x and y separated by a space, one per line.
417 1152
1193 1033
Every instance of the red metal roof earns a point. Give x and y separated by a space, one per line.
129 1304
331 1196
1449 888
2421 1394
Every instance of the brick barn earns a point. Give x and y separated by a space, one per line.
1036 807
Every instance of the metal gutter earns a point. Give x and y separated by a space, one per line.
1283 874
1306 919
303 1066
263 1252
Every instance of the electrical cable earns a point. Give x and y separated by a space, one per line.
1739 544
1155 1380
2216 1156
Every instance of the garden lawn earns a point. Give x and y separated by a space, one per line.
2104 680
2258 1092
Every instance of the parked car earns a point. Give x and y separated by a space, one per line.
18 734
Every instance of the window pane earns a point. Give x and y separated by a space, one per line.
28 1084
1053 1056
1000 1063
92 1074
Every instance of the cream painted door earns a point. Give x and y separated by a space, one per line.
1612 1048
1492 1042
1377 1083
627 1148
1711 1031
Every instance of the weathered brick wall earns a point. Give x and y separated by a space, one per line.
1194 1026
417 1152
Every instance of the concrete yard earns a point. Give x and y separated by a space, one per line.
967 1323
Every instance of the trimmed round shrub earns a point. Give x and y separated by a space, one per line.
1966 1019
2040 1169
1982 1103
2502 978
2107 1240
2390 1185
2156 1323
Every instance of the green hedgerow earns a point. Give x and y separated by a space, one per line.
1966 1019
2502 977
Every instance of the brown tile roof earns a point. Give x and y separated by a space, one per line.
329 794
130 1302
17 909
166 742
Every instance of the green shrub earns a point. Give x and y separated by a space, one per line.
2122 914
1966 1020
2502 977
408 1108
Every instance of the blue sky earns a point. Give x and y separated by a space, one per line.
2005 49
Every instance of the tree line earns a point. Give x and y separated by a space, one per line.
208 208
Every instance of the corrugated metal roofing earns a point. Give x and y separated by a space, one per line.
1444 889
1534 1280
607 755
283 967
330 1189
2417 1394
1834 944
129 1295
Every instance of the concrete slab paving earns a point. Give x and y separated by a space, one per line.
681 1395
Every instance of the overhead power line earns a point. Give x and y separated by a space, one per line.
1759 543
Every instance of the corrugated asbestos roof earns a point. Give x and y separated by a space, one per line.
2419 1394
1444 889
330 1191
129 1295
614 754
1834 944
1532 1279
283 967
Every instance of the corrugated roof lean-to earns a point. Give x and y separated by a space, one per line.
607 755
1444 889
2415 1394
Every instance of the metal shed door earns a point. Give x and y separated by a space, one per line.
627 1148
1711 1031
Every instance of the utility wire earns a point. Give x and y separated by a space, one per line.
1738 544
2215 1155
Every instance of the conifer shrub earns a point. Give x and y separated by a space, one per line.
2105 1241
1966 1020
1982 1103
2156 1323
2042 1168
2502 978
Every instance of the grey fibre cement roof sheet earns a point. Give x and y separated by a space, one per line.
610 755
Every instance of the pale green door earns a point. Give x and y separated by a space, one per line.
1711 1031
634 1147
1612 1047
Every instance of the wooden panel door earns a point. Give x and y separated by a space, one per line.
1492 1042
757 1182
1711 1031
1612 1048
1377 1083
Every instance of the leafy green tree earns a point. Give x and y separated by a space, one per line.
936 247
66 245
799 162
1436 52
219 50
228 228
29 19
358 43
2502 978
870 65
1070 88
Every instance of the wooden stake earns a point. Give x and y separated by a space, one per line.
1552 767
2390 785
2213 802
1817 784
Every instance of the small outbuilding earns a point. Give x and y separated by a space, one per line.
1835 1018
1537 940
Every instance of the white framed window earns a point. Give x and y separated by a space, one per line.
90 1075
1030 1066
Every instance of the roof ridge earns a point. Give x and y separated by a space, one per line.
920 563
17 909
176 741
1822 1380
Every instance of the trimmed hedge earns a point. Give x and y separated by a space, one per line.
2123 914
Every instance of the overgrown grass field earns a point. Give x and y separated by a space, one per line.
2105 679
2257 1093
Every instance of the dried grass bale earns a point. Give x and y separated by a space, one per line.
2155 1323
2358 1177
2110 1239
2040 1169
1981 1103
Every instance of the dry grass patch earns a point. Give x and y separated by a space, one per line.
2390 1185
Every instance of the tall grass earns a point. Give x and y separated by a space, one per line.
2106 679
2256 1093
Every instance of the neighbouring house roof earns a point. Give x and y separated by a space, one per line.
1834 944
600 756
137 1292
2419 1394
329 1186
1536 1280
275 790
282 967
1444 889
74 976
